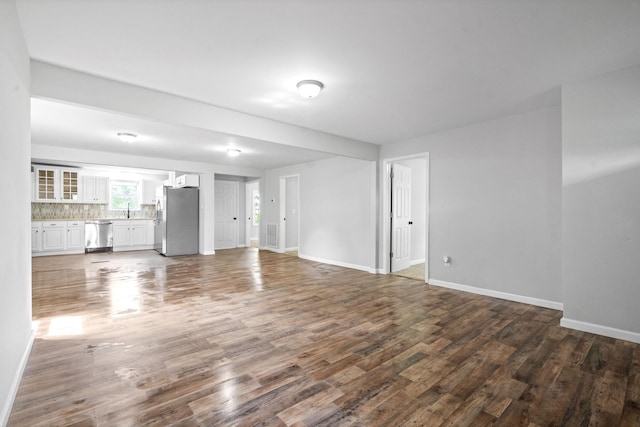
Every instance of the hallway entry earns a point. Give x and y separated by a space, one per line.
405 228
289 213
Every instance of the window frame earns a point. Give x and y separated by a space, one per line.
138 185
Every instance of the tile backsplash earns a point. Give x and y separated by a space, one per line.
44 211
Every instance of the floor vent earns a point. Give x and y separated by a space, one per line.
272 236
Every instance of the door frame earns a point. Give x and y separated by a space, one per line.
237 209
249 211
282 235
386 212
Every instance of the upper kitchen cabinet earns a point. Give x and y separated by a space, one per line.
149 191
57 185
95 189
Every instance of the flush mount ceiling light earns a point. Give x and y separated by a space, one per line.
127 137
309 88
233 152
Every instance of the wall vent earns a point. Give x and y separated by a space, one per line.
272 236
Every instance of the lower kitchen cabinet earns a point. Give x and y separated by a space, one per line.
54 236
132 235
57 237
75 235
36 237
67 237
120 234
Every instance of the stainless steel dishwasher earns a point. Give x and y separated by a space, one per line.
98 236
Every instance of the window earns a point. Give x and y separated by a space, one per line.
124 195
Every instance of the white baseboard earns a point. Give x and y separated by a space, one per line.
607 331
208 253
498 294
291 249
13 390
338 263
417 261
64 252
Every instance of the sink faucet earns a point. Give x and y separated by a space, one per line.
127 210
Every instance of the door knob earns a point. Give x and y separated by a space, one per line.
234 218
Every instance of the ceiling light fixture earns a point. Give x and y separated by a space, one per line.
233 152
127 137
309 88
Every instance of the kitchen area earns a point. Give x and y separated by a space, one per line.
78 209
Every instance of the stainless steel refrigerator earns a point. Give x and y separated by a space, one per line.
177 221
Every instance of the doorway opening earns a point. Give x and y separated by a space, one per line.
406 216
290 214
233 217
252 213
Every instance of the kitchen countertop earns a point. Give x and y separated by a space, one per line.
92 219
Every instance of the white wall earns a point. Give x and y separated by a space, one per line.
495 204
15 252
418 205
291 214
601 204
337 210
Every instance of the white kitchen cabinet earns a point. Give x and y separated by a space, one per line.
151 233
70 185
120 234
132 235
187 181
138 233
57 185
95 189
54 236
149 196
47 184
36 236
75 235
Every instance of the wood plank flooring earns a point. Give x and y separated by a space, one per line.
248 337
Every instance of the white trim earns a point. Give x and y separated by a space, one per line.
385 206
208 253
295 248
62 252
132 248
607 331
418 261
339 264
498 294
13 390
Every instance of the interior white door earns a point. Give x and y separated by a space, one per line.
401 217
226 214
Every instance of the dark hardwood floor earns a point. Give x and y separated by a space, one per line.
257 338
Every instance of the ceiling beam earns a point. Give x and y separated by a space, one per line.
65 85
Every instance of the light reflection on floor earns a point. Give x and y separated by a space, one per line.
65 326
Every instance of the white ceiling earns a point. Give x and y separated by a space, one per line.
71 126
392 69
